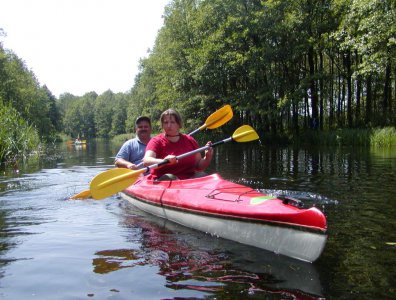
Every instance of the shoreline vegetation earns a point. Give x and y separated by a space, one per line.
305 73
18 141
376 137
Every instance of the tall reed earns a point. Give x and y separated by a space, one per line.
384 137
377 137
17 137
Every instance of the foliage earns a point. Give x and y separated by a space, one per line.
284 66
121 138
78 114
102 111
17 138
297 70
377 137
29 114
383 137
20 89
119 114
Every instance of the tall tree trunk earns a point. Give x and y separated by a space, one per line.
341 93
342 105
312 85
321 90
387 93
369 101
281 111
296 128
349 89
307 116
274 119
358 92
358 99
331 95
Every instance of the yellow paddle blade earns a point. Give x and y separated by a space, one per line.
113 181
219 117
82 195
245 133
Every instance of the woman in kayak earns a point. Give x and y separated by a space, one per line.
171 143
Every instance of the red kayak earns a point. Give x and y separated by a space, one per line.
233 211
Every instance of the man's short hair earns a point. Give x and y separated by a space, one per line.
142 118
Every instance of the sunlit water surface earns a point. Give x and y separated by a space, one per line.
56 248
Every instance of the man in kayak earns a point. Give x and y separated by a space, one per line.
132 151
171 143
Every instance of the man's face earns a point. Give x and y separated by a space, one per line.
143 129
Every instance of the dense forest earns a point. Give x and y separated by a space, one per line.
284 66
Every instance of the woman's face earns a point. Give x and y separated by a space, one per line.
170 126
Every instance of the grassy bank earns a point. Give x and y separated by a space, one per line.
18 139
376 137
121 138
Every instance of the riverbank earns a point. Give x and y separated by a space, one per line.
371 137
23 140
20 140
375 137
17 138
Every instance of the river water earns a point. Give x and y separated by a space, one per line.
56 248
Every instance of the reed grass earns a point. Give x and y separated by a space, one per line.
121 138
384 137
376 137
17 138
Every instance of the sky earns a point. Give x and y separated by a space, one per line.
79 46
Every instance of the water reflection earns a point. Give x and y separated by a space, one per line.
59 248
113 260
323 170
192 260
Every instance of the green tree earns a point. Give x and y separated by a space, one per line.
103 111
20 89
119 116
369 29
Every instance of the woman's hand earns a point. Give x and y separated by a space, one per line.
171 158
204 162
209 152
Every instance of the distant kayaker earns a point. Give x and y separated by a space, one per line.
170 144
132 151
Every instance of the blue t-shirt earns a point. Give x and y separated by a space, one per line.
132 150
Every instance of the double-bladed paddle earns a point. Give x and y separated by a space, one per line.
113 181
82 195
215 120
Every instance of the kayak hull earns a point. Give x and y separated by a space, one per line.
232 211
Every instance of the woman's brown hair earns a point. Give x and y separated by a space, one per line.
175 114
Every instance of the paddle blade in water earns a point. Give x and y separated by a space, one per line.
219 117
82 195
113 181
245 133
